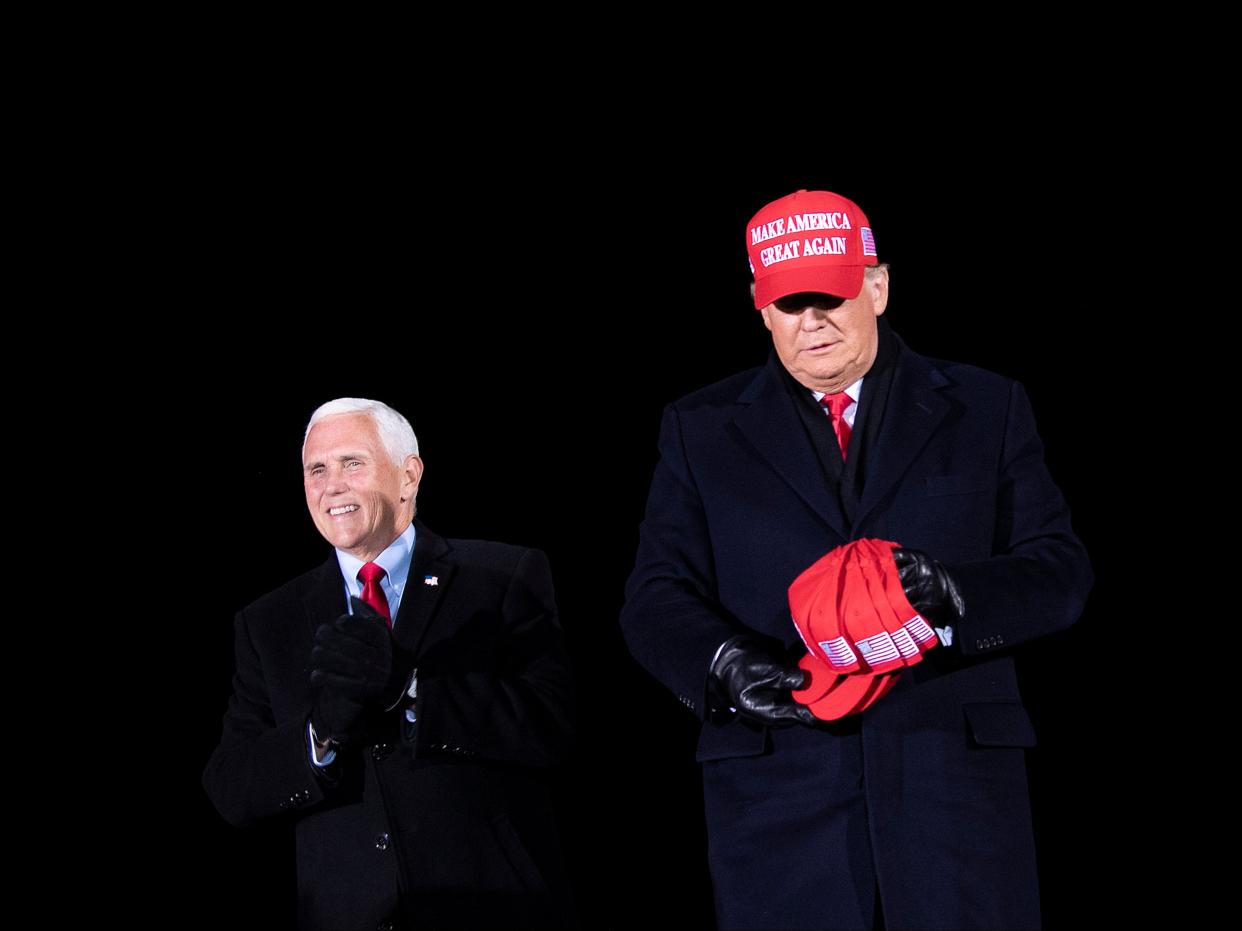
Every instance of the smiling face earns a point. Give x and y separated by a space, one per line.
828 343
359 499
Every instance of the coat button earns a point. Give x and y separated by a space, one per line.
380 751
385 926
381 842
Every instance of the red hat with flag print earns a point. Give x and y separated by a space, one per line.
859 628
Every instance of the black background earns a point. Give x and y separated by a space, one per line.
531 304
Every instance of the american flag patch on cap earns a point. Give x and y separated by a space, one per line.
868 240
838 652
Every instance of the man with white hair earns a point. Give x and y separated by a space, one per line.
912 811
399 702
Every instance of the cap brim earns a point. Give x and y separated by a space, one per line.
850 695
832 696
820 678
844 281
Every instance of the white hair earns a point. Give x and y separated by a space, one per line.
394 430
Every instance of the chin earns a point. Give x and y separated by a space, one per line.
819 377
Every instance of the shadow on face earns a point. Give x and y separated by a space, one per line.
796 303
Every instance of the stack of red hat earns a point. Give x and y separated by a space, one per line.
852 613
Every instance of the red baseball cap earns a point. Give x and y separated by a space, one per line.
809 241
858 626
907 630
832 696
852 613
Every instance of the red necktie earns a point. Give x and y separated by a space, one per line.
836 405
372 593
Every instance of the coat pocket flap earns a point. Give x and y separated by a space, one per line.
1000 724
723 742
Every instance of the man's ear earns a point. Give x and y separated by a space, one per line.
412 475
877 281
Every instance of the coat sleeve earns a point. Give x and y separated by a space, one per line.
672 619
1039 577
259 769
510 702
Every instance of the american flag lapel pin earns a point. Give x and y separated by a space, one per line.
431 580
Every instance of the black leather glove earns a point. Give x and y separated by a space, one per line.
335 716
352 671
750 676
929 588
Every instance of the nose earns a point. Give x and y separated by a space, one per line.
336 484
812 317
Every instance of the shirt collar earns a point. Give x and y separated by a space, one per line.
854 391
395 560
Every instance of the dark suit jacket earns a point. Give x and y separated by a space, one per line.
445 823
924 796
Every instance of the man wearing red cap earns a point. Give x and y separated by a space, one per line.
912 810
399 702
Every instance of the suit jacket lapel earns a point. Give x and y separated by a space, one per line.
325 599
768 422
915 411
430 576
